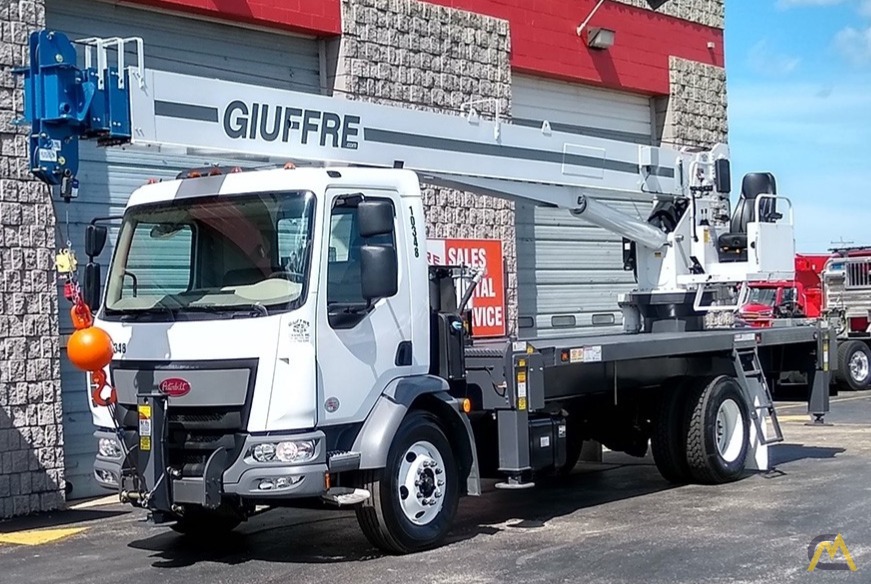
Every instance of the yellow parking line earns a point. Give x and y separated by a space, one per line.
794 418
38 536
102 501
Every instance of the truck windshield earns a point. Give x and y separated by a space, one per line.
764 296
215 254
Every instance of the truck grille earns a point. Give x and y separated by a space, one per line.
858 273
212 415
192 437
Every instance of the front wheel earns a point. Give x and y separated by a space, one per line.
854 366
414 498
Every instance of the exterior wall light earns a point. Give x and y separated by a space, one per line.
600 38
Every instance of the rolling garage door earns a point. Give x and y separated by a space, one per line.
570 272
108 176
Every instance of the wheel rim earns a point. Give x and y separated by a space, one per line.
421 484
859 366
730 430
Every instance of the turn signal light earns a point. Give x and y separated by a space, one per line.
467 405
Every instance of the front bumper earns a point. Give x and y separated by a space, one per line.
243 477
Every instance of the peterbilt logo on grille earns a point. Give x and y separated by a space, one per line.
174 387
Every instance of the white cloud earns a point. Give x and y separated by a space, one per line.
765 60
854 44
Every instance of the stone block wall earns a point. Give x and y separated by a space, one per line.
31 434
695 112
424 56
706 12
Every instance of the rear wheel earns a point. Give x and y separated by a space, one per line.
414 498
717 431
854 366
668 442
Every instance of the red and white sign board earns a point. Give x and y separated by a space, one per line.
488 301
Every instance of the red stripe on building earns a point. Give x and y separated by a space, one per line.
316 17
544 38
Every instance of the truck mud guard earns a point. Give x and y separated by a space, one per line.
424 392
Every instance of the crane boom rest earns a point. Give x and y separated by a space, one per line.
278 334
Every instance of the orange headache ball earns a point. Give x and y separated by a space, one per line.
90 348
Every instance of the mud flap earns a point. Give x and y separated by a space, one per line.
757 450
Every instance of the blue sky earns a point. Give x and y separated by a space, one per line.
799 83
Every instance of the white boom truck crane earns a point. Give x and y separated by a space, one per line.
310 352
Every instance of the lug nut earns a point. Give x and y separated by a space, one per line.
439 471
440 483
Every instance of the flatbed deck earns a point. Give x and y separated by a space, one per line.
584 365
625 346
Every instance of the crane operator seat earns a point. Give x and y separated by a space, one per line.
733 245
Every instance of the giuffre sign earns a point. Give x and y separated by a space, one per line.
488 301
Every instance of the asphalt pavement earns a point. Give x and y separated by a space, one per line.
611 523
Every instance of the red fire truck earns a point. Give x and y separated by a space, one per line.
835 286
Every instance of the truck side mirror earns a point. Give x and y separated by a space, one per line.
91 287
375 218
95 239
723 176
378 268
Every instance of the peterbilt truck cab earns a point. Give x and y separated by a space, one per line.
274 315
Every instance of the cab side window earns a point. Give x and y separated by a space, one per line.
344 282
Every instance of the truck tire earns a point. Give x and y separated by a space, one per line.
199 521
854 366
668 440
717 431
414 498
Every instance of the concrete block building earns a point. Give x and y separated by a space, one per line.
658 78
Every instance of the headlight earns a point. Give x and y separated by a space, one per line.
295 451
109 448
264 452
287 451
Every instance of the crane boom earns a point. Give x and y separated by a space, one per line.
684 246
134 105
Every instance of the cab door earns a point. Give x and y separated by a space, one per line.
360 347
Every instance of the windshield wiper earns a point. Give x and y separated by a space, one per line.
158 308
234 309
